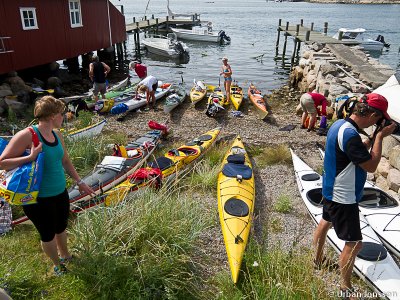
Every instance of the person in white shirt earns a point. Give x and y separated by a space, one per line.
149 86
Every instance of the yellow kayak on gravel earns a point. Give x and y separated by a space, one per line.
236 95
236 196
169 166
198 91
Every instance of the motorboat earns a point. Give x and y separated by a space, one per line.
167 46
357 35
201 33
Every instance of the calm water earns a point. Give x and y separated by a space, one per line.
252 27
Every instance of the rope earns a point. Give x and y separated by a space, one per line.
359 81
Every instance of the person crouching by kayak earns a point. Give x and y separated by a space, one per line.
346 163
309 103
149 86
139 68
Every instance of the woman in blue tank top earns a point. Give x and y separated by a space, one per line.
50 213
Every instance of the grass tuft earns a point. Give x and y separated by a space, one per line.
278 154
283 204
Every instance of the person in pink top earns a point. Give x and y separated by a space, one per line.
139 68
309 103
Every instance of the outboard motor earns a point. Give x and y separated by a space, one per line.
381 39
224 36
179 48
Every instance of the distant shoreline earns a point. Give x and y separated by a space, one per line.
356 1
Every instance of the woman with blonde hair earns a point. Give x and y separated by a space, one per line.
149 86
50 213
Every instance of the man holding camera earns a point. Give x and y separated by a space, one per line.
347 161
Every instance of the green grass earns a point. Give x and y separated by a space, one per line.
278 154
283 204
273 274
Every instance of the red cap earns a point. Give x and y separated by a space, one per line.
379 102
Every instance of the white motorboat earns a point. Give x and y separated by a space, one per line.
201 33
357 35
167 46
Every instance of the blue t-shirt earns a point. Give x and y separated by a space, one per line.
53 180
343 179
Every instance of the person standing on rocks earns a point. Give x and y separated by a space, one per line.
346 163
309 103
98 72
139 68
226 70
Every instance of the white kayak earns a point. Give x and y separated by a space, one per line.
373 264
382 213
140 99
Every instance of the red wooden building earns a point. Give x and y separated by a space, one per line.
36 32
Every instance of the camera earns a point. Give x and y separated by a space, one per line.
396 130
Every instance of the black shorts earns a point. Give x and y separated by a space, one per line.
154 87
345 219
49 215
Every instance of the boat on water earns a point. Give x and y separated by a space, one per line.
167 46
357 35
374 263
202 34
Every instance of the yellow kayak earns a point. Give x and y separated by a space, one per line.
216 102
236 196
236 95
169 165
198 92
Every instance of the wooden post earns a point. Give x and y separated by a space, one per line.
137 24
301 22
134 19
340 35
297 29
308 35
277 40
167 22
285 43
294 52
312 26
325 28
122 9
193 18
157 25
148 22
145 18
152 16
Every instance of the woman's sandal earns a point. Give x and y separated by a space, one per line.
66 260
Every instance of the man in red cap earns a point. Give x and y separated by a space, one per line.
347 160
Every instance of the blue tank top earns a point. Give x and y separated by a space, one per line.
53 181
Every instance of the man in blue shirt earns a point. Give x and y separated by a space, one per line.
347 161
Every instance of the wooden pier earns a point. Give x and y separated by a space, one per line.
300 34
154 24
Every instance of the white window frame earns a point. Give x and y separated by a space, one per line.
33 11
73 12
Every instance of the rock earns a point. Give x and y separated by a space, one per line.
53 82
299 110
306 54
370 176
327 68
393 194
4 93
336 90
316 46
38 82
383 167
358 88
5 86
382 183
2 110
54 66
388 144
17 84
303 62
394 157
393 179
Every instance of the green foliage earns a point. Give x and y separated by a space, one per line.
278 154
11 116
283 204
276 225
205 175
141 248
273 274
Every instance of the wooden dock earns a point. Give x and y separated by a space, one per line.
307 35
154 23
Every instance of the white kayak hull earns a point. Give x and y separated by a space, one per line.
136 103
87 132
382 275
